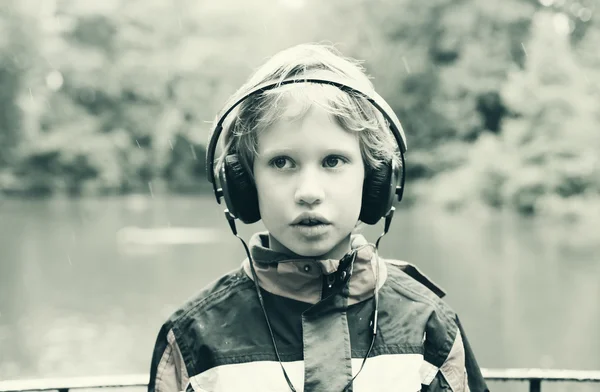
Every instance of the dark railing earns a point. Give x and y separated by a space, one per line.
536 376
533 376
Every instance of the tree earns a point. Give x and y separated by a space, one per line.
17 49
546 152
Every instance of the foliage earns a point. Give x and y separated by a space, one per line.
497 98
547 151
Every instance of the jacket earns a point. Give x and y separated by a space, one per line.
321 314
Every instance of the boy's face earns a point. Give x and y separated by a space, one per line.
309 168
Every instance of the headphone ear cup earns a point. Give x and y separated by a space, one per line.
239 190
378 193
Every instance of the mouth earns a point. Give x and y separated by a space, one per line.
310 220
310 223
311 229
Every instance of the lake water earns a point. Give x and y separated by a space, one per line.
76 300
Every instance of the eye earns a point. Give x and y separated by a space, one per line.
333 161
280 162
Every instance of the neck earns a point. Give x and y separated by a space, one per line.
337 252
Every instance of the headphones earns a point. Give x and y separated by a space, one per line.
380 186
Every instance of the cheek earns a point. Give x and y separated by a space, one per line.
268 201
261 181
349 190
357 196
357 179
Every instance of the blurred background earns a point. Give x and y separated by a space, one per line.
107 223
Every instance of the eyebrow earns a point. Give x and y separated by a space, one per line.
276 151
290 151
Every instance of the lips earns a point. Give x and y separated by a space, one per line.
310 219
311 226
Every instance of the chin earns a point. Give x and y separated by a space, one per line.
312 251
315 250
329 247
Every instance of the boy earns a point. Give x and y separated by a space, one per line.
312 150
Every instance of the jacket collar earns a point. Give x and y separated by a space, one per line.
302 279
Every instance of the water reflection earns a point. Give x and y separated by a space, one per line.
74 303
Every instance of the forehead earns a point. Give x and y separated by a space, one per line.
305 127
291 103
307 93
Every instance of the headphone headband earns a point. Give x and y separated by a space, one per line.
343 84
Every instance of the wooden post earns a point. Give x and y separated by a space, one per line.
535 385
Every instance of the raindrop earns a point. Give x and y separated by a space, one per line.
171 144
69 258
193 152
150 187
138 143
405 64
524 50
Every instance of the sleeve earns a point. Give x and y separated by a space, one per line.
459 371
476 382
168 372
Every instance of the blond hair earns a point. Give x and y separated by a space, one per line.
352 112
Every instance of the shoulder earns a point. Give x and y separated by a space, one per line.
184 330
443 336
405 273
406 281
208 305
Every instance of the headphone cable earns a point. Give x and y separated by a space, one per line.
388 220
231 221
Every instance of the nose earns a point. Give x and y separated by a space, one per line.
309 189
